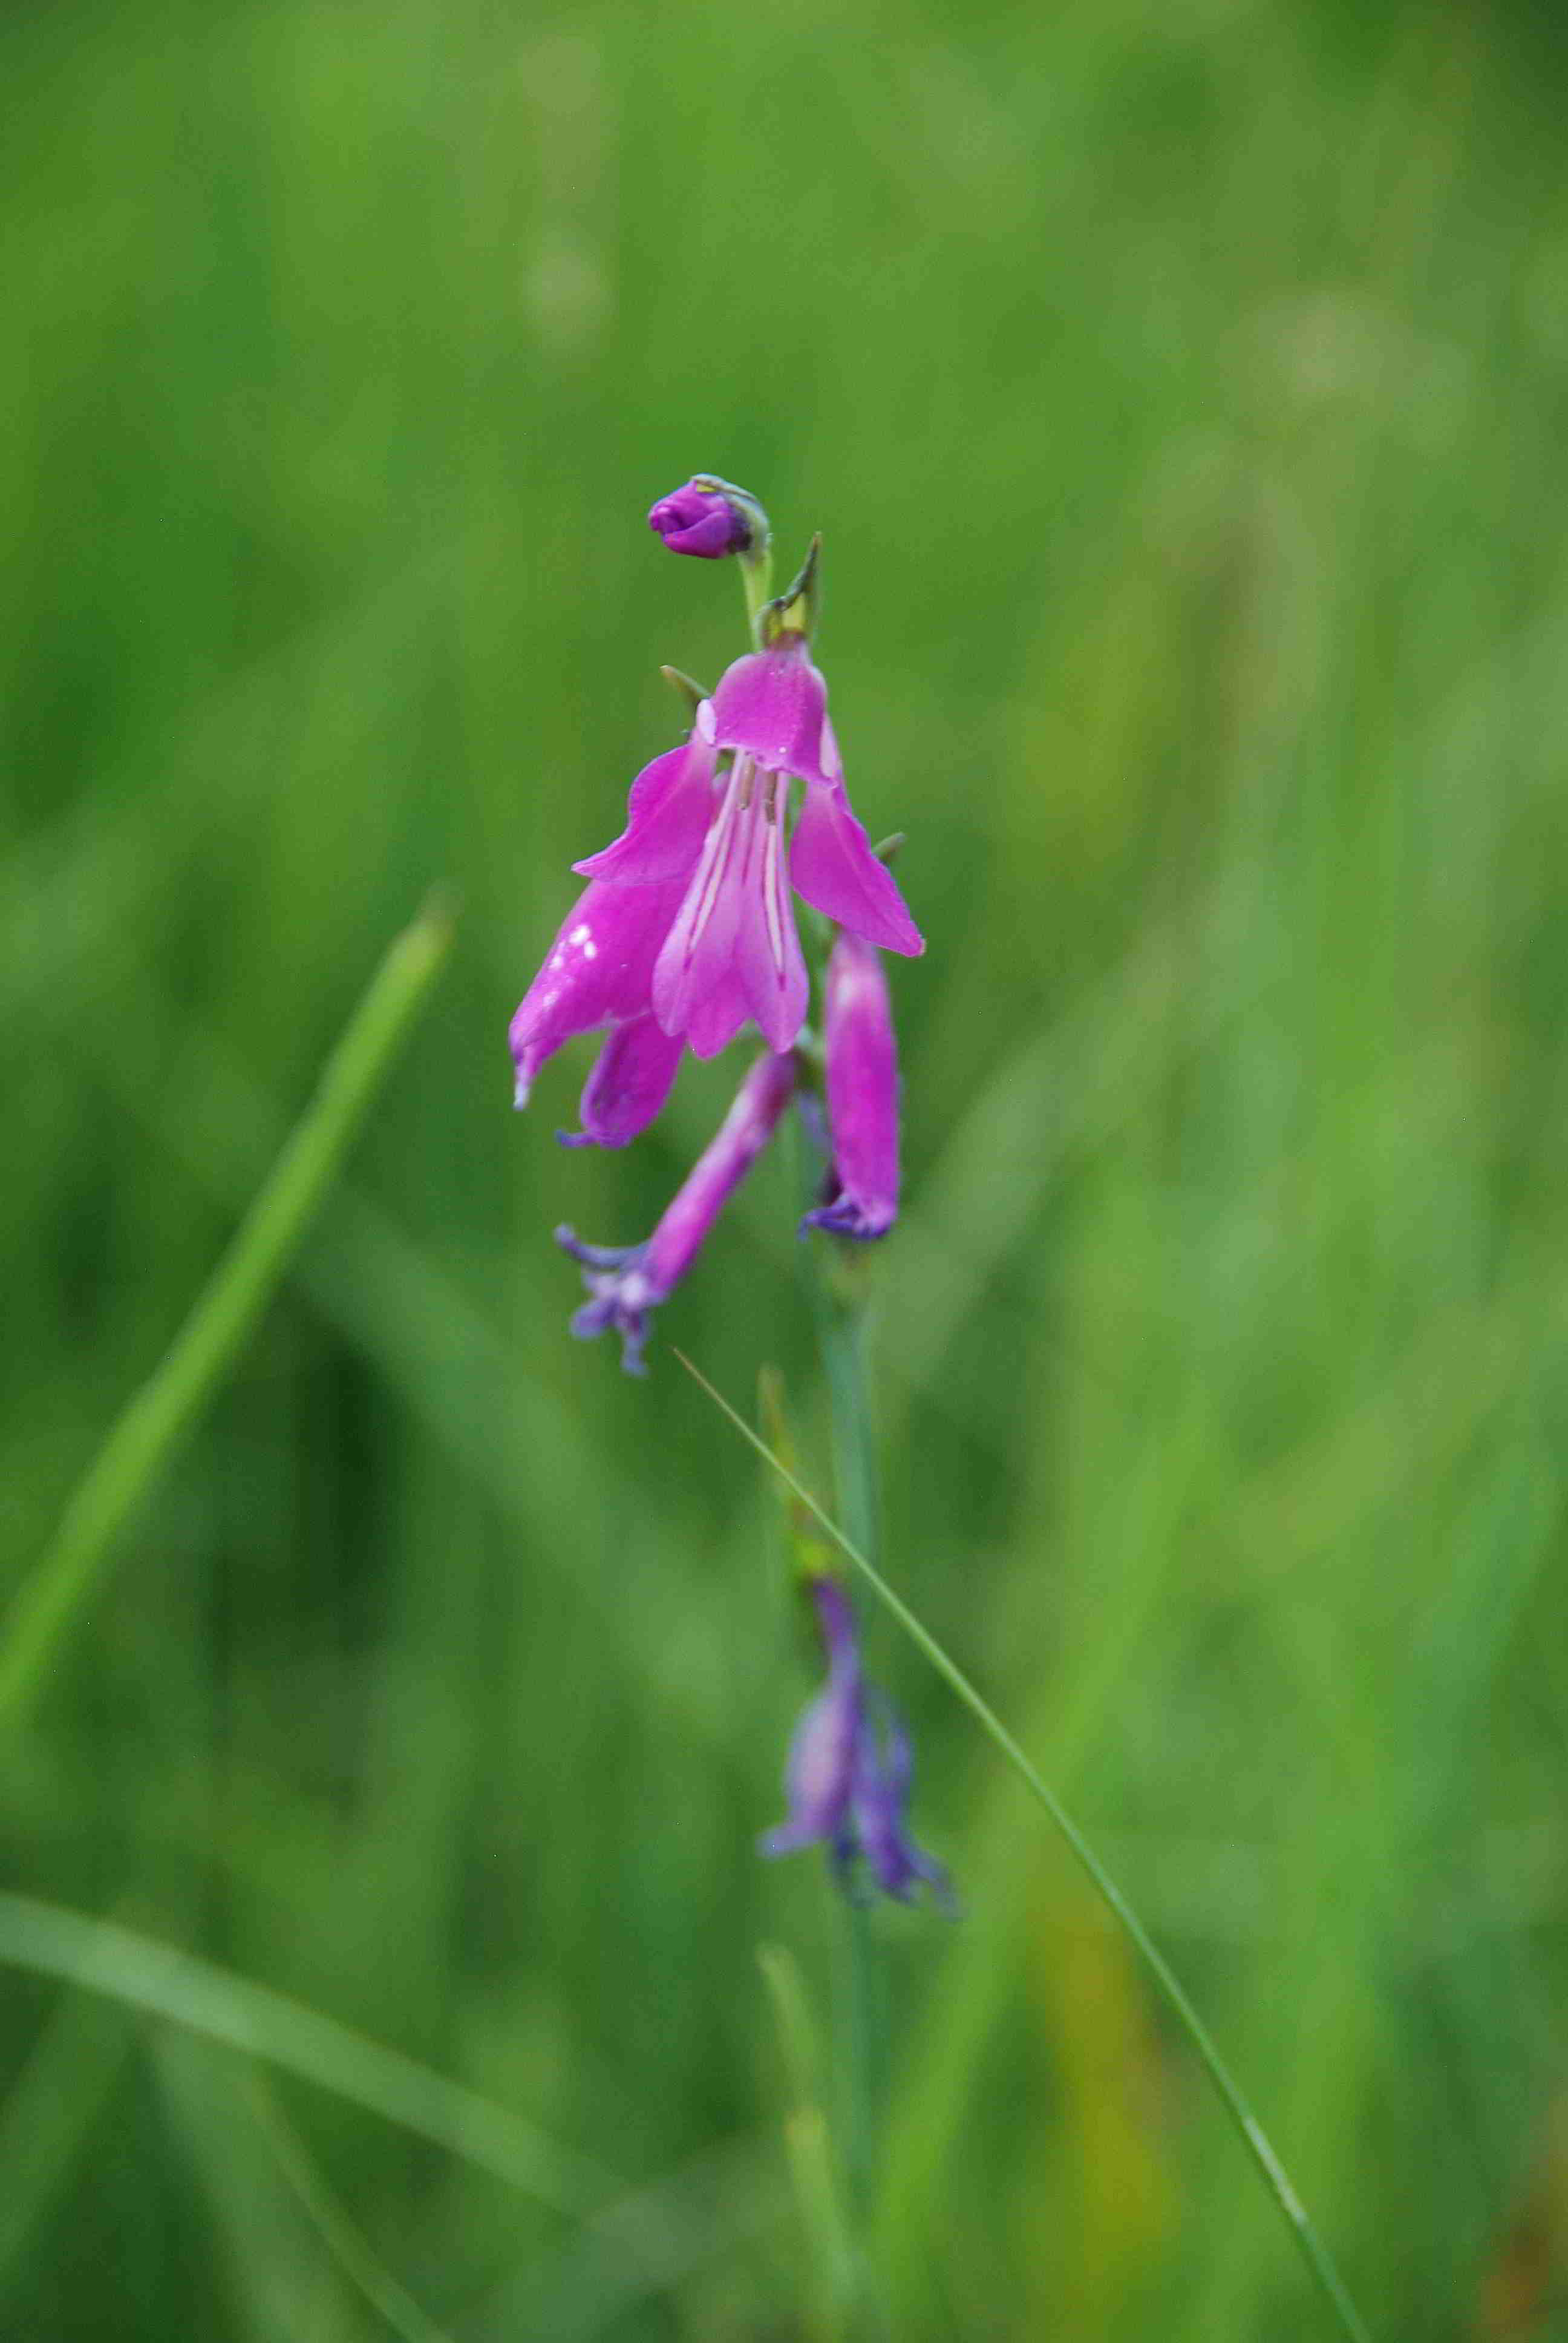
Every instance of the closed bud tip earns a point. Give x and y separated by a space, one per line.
709 519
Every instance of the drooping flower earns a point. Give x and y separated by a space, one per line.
599 972
848 1778
689 918
705 518
625 1283
861 1190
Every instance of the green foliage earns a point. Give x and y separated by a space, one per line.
1181 397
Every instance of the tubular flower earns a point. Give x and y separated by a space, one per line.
848 1778
861 1194
688 920
625 1283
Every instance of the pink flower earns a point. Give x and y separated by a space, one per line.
861 1194
687 930
626 1281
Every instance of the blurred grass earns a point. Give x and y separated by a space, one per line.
1182 398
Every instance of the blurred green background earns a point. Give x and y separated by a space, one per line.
1183 392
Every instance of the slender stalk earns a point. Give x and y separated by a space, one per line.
157 1419
842 1295
1314 2252
832 2276
757 582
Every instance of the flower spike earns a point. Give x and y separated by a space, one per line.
685 933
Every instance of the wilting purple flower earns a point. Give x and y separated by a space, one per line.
625 1282
862 1066
847 1779
688 920
700 518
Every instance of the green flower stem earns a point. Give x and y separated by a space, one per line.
1314 2252
757 580
842 1293
157 1419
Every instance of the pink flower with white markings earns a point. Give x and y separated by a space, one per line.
686 931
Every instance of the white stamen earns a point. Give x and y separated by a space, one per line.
770 891
718 845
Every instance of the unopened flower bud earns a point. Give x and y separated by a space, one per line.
705 518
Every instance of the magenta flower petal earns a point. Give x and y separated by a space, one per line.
695 959
625 1284
733 951
719 1015
768 945
598 970
862 1069
668 814
771 705
833 868
630 1080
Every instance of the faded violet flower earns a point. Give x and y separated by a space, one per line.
847 1779
688 923
625 1282
861 1190
702 518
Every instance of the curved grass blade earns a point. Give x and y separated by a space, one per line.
152 1425
341 2236
101 1956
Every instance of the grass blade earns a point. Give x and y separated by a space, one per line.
154 1422
101 1956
